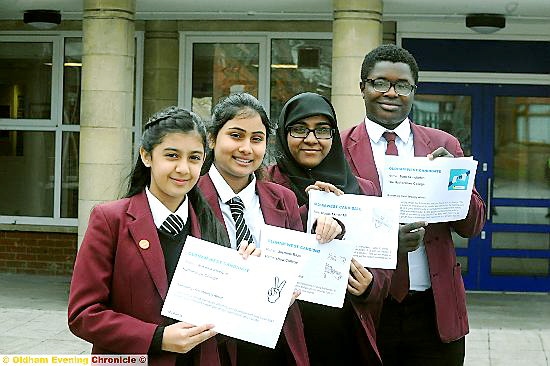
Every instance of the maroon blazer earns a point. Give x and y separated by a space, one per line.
367 309
279 208
118 286
445 274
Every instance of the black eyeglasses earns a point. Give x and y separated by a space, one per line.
401 87
301 132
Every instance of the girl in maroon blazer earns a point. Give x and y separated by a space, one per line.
309 153
238 137
131 247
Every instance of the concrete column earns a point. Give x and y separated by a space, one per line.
160 75
357 29
106 113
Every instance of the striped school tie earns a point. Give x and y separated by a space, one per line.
237 211
172 225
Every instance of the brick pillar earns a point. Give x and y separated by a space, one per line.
357 29
161 56
107 103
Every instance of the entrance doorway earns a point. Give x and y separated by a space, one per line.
507 129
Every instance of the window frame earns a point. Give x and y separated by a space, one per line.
55 122
188 38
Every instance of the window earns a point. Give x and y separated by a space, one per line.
25 80
72 74
40 83
299 65
27 127
272 67
220 69
27 168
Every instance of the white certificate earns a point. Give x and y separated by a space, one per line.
324 276
245 299
434 191
371 223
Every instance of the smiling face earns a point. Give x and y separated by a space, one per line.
239 149
175 166
388 109
310 151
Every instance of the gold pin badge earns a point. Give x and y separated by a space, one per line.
144 244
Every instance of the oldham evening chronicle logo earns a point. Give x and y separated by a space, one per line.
458 179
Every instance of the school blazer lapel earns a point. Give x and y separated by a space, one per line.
142 227
421 140
211 195
361 157
271 205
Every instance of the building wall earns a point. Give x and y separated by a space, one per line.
39 253
52 249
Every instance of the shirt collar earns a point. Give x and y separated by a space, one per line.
224 190
375 131
161 212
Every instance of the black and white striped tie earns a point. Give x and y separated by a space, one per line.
173 224
237 211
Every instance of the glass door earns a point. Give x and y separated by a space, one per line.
507 129
519 197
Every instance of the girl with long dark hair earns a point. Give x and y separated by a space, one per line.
131 247
238 138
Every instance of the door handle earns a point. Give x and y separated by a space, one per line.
489 188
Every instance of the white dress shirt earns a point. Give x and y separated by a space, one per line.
161 212
253 215
419 272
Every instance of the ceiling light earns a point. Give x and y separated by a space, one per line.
284 66
42 19
485 23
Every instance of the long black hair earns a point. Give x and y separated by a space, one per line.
240 105
177 120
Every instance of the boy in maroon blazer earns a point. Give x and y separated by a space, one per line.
424 319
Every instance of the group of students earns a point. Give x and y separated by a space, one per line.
185 182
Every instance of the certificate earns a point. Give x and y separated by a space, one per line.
436 190
371 223
324 275
244 299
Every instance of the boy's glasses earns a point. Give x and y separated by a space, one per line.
301 132
402 88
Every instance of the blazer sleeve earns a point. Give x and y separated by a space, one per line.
294 211
368 187
474 221
379 290
90 313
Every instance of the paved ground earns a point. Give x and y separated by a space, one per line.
506 329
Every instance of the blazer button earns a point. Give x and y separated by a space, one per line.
144 244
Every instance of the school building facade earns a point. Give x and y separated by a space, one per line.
73 99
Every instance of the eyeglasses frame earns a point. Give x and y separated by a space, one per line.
392 85
289 130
